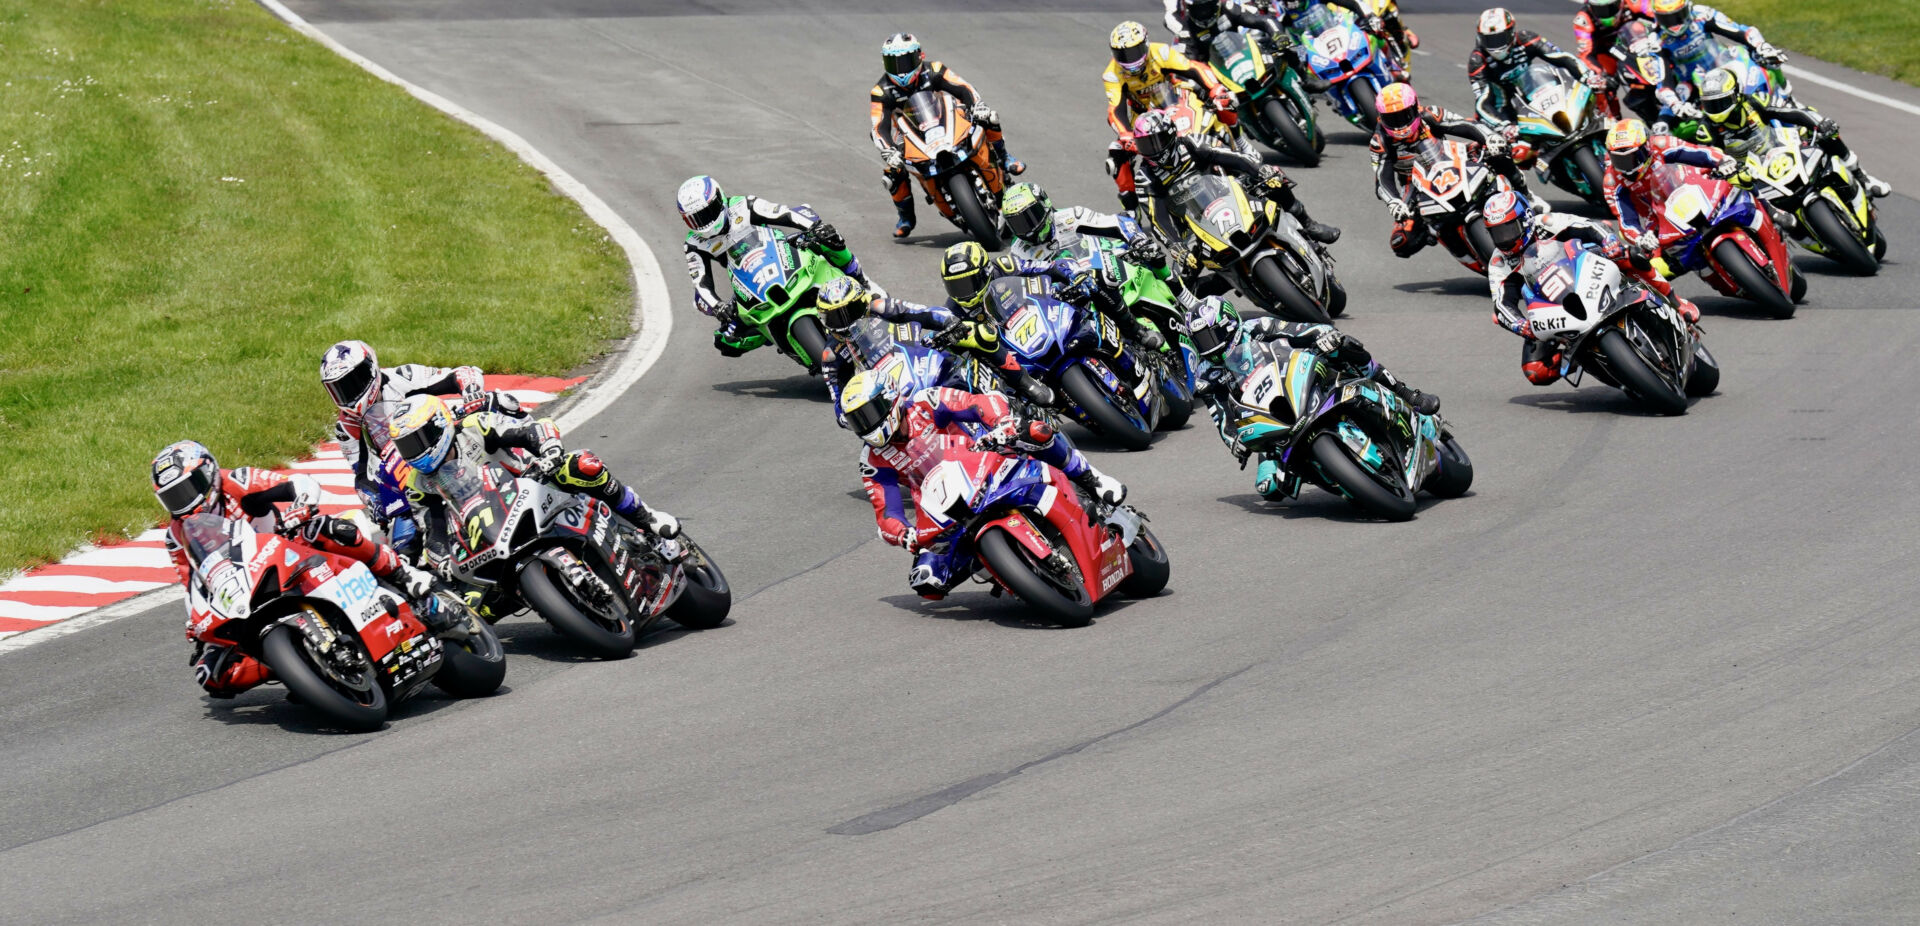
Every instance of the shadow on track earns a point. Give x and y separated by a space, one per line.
797 386
1006 610
1320 505
271 706
1451 286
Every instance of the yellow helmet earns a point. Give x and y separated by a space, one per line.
1129 44
422 432
842 301
872 407
964 268
1627 147
1720 96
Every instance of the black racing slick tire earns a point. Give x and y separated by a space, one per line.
1151 568
1102 407
1362 94
966 201
707 599
1637 378
284 649
1336 463
1842 247
1015 566
473 667
1176 398
1293 139
1585 161
1455 475
811 337
1753 282
1480 241
1705 377
1295 304
542 590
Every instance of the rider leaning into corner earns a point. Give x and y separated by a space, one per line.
1216 328
1741 125
1039 231
1514 227
904 433
1630 190
1686 28
1386 26
1198 22
1404 124
713 219
1139 71
907 72
1502 51
188 481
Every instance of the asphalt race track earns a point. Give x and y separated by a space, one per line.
1651 671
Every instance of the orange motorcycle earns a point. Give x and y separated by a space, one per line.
948 151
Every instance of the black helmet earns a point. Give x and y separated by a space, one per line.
1154 135
903 59
1213 327
842 302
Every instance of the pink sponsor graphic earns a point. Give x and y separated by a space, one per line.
99 576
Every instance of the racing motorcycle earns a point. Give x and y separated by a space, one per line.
1150 300
1271 104
1561 131
1626 335
1649 88
1451 186
775 281
1021 526
1193 117
1833 215
1357 63
948 151
1080 354
1260 250
1350 436
347 646
597 580
1708 225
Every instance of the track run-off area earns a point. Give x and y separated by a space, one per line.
1651 670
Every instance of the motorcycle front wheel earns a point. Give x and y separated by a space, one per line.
1297 306
1024 575
1362 94
475 666
1293 139
357 703
1705 377
1637 377
542 590
1455 474
1366 491
1151 568
1753 282
1842 247
966 201
1104 408
1588 164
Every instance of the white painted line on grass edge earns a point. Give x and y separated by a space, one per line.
1869 96
651 313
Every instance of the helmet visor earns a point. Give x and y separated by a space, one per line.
1604 12
352 386
1628 162
1029 223
868 419
1400 121
840 318
1209 340
1132 57
707 215
1497 41
1718 107
1204 10
1674 18
966 289
901 65
1154 145
419 445
1507 236
185 493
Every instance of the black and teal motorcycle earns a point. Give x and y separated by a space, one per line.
1269 99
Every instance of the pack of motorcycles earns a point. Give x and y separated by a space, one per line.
1032 535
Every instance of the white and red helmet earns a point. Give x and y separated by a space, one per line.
351 373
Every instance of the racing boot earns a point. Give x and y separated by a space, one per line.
652 520
1272 484
1425 403
1101 486
1325 234
1013 165
929 578
1540 362
904 222
225 671
418 585
1033 390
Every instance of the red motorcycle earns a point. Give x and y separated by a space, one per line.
348 647
1708 225
1022 523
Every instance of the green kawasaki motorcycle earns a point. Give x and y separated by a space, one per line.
1270 102
775 280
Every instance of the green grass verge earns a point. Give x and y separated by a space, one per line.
194 202
1880 38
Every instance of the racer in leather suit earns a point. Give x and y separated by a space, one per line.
1133 88
1684 33
900 432
1597 31
1389 26
1041 233
1215 328
1539 360
714 218
1630 193
1166 158
1739 125
907 72
187 481
354 379
1393 168
1198 22
1502 54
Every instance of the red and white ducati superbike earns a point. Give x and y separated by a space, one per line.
348 647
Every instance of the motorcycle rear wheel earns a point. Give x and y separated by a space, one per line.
1014 564
1294 302
1637 378
1151 568
966 201
1752 281
1362 489
284 650
1293 140
474 667
707 599
541 590
1843 247
1100 405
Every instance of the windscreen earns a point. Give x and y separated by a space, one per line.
208 539
1197 196
927 110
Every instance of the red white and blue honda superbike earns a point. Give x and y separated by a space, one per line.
1711 226
1081 355
1625 334
1020 526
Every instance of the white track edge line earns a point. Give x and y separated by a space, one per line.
651 300
1843 87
